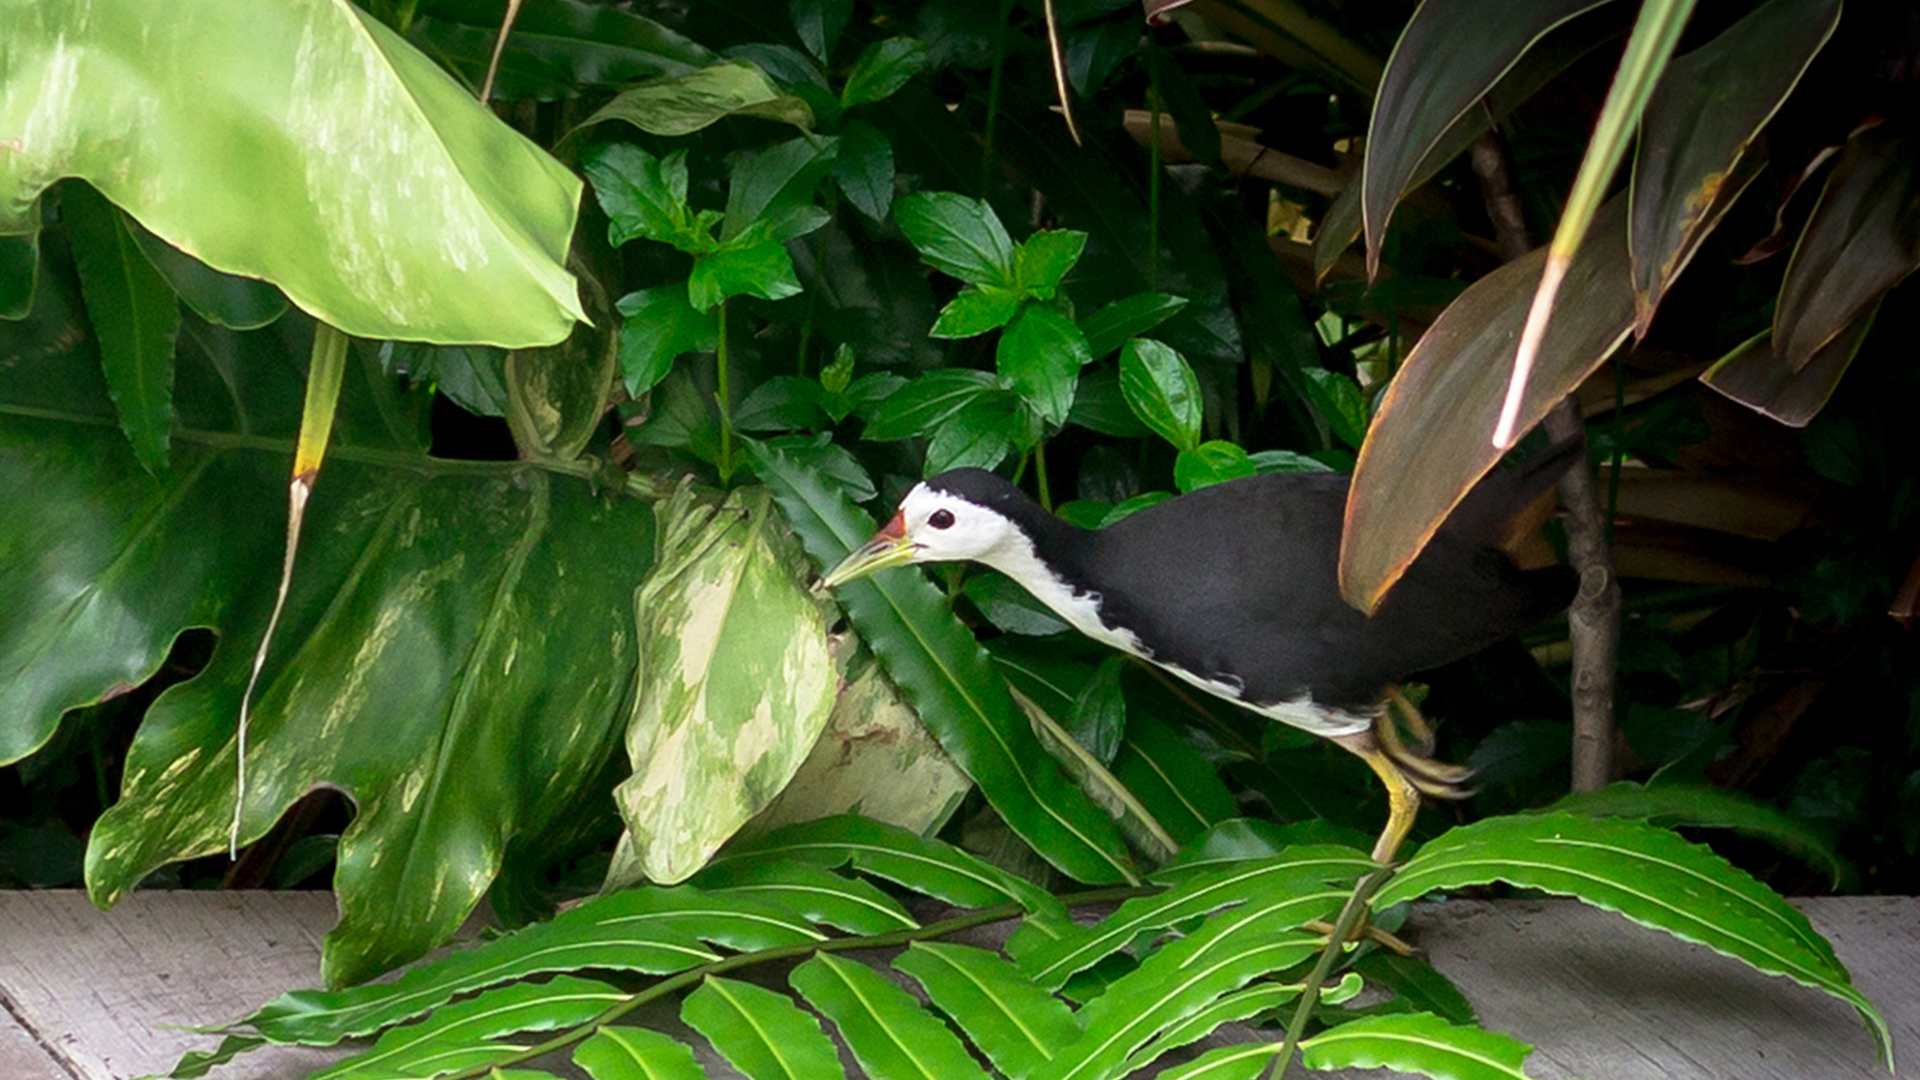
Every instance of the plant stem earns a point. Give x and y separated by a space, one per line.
1040 475
993 96
724 399
1342 929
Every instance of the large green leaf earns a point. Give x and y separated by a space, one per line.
1863 238
951 683
1420 1043
453 653
1428 444
1699 126
307 145
1449 56
735 682
1646 873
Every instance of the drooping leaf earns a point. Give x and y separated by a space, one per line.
958 235
763 1033
822 896
1162 390
883 68
1684 805
683 104
887 1030
1862 239
1450 54
1015 1023
460 1036
1647 874
1428 445
1417 1044
949 681
735 683
135 315
1700 125
286 147
401 692
1040 356
558 49
228 300
636 1053
1755 375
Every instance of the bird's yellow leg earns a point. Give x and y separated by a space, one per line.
1403 797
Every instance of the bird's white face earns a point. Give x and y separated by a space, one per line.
943 527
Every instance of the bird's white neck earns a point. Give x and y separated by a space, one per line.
1014 556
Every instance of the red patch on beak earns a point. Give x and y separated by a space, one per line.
895 528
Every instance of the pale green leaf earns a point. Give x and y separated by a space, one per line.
305 145
683 104
1418 1043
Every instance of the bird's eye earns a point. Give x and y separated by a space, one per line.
941 519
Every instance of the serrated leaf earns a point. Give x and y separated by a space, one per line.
1044 258
1109 328
1040 356
634 1053
1162 390
948 679
888 1032
1228 950
1215 461
923 404
1015 1023
976 311
864 169
735 683
1419 1043
684 104
1339 401
302 136
811 890
959 235
1647 874
761 1032
654 931
660 326
1300 873
461 1035
644 197
883 68
135 316
1681 805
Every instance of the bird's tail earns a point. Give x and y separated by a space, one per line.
1439 779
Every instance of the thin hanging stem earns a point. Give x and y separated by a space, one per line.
722 398
1336 942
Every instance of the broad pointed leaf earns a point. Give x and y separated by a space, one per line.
683 104
883 68
135 316
735 683
415 669
1449 56
660 326
1162 390
1045 257
1755 375
1109 328
925 403
1700 125
307 145
976 311
236 303
864 169
888 1031
1040 357
950 682
1649 875
1862 240
763 1033
958 235
643 196
1428 444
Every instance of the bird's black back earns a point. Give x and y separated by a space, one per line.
1238 581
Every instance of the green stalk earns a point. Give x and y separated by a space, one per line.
1336 942
723 399
1040 475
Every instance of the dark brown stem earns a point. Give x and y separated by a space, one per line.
1593 622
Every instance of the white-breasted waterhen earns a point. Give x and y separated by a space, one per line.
1233 588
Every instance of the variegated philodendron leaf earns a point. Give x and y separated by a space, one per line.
735 683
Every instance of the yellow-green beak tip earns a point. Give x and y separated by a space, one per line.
889 547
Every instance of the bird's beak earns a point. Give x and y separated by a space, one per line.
889 547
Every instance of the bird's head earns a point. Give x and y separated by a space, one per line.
958 516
